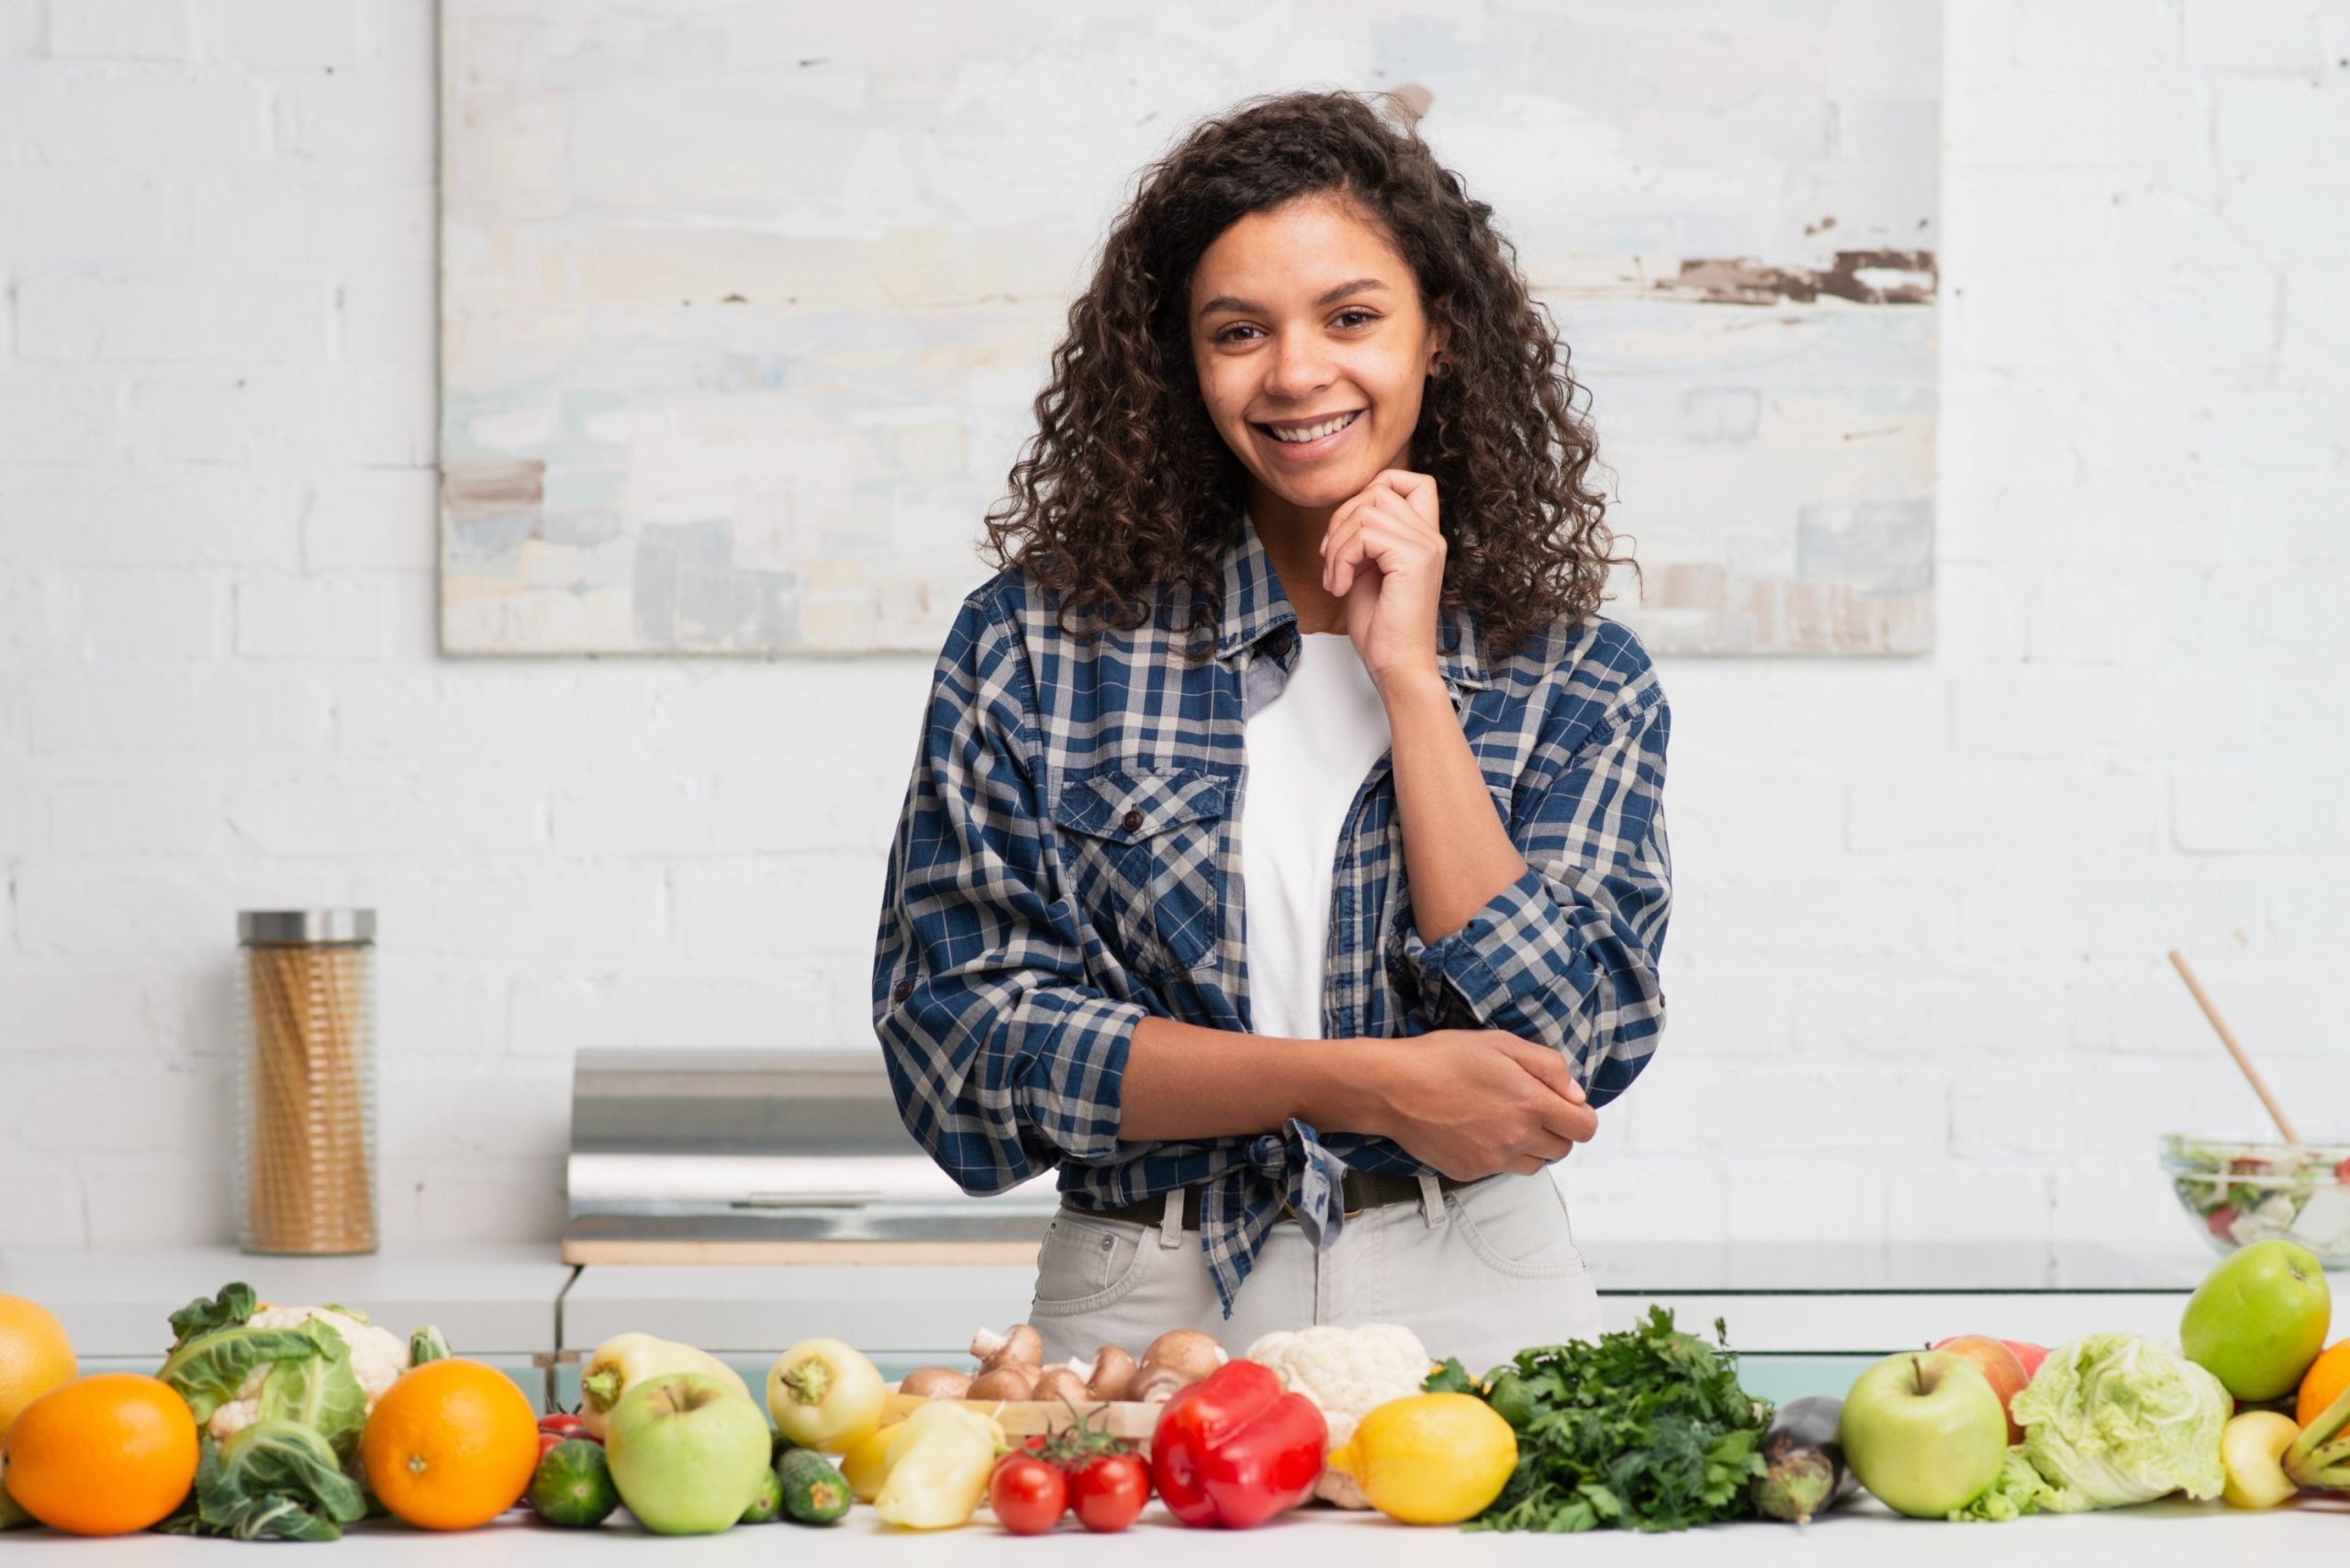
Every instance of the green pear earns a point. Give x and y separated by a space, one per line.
2259 1320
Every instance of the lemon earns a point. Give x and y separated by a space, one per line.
866 1465
1430 1459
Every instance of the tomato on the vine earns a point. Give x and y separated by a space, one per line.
1029 1493
1108 1492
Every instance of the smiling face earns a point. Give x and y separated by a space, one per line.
1312 351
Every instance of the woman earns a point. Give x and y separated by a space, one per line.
1283 860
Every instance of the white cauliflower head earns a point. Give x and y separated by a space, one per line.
1348 1372
377 1359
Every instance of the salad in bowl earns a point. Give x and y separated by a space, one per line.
2240 1190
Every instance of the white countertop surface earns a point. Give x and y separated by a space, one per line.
2154 1535
487 1300
884 1310
522 1300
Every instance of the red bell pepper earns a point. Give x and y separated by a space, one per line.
1236 1449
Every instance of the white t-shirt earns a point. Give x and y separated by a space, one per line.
1308 750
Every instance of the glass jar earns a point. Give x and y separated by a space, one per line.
305 1081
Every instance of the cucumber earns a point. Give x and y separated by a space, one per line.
813 1491
573 1485
1805 1456
766 1504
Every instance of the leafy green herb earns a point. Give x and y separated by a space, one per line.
1452 1378
1646 1429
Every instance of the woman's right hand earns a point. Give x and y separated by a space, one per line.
1476 1102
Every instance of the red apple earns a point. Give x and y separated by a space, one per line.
2001 1368
2028 1354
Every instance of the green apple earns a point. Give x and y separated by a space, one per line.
2259 1320
687 1452
1925 1432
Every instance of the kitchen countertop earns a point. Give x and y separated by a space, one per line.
487 1300
1792 1299
884 1310
1861 1533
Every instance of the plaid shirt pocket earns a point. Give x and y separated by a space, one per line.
1143 846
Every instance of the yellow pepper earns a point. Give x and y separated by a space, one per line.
938 1466
866 1465
826 1395
624 1360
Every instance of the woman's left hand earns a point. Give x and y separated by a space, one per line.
1383 554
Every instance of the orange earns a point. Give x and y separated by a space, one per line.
451 1445
2322 1382
35 1356
108 1454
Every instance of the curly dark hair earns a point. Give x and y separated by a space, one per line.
1127 488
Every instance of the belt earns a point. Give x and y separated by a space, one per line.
1360 1190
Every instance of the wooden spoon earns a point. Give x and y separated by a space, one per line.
2228 1039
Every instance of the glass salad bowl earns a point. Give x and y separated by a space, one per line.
2239 1190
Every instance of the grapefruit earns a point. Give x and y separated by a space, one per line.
35 1355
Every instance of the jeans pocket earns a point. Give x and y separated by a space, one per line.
1087 1265
1517 1228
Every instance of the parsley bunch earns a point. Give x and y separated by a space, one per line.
1646 1429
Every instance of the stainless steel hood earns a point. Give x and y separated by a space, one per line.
768 1156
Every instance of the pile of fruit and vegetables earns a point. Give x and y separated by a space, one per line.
264 1423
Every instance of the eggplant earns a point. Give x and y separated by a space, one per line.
1803 1457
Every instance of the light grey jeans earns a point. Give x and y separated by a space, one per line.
1482 1272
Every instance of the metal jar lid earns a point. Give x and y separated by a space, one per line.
269 926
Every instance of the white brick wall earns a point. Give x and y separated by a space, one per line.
1916 973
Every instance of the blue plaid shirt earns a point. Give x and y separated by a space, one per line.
1068 862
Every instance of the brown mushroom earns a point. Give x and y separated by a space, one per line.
1152 1384
936 1383
1188 1351
1019 1346
1061 1386
1112 1370
1010 1381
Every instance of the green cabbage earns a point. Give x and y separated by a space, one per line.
2112 1419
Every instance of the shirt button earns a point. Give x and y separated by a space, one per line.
902 989
1130 821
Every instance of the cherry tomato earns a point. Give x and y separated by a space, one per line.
547 1441
1108 1493
563 1424
1029 1494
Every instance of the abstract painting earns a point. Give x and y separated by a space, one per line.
744 306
